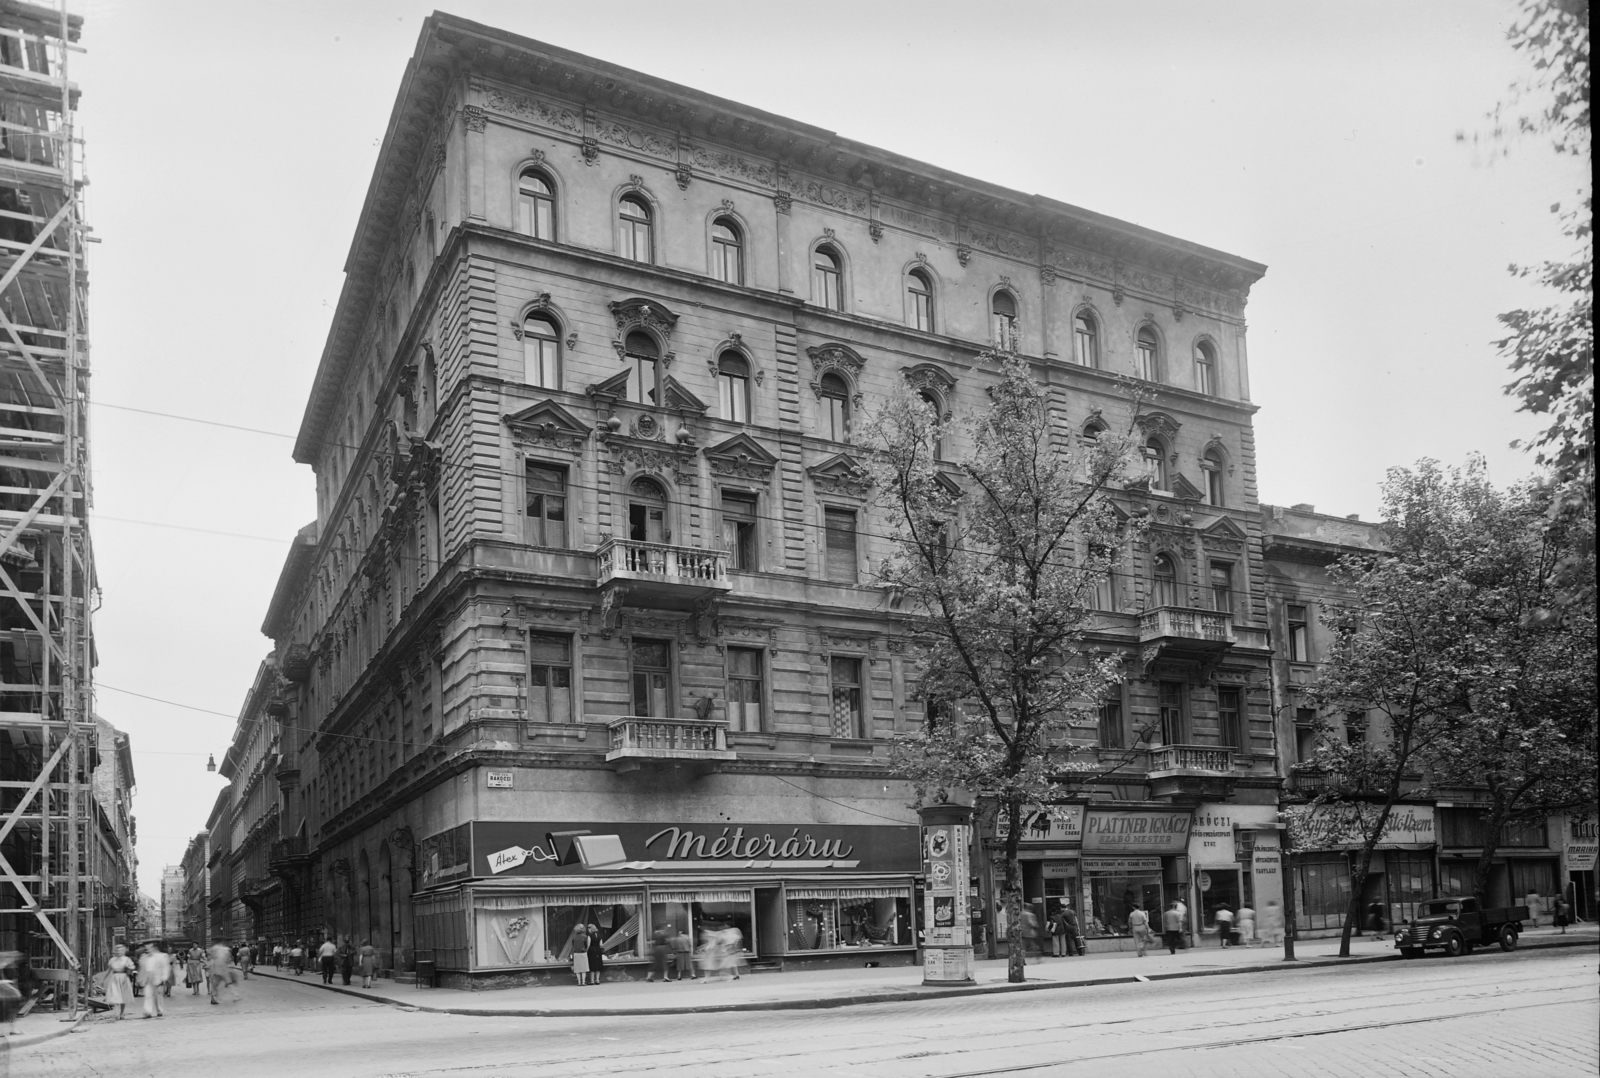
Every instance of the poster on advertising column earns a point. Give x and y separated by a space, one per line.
945 910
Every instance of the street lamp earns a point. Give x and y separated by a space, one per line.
211 762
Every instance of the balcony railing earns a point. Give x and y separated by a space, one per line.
1181 623
287 849
1311 781
629 559
641 738
1193 758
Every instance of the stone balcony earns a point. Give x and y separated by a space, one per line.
288 853
1173 632
659 573
639 742
1190 772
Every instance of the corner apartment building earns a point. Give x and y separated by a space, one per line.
586 628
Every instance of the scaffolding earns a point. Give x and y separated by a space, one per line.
56 899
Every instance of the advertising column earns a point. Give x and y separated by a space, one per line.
946 919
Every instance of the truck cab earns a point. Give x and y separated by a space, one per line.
1457 925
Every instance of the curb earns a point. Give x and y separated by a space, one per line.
899 995
7 1043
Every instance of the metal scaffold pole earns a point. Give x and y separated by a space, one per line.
49 863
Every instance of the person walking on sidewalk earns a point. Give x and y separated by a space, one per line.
369 963
1247 925
578 950
119 988
221 973
1172 928
194 972
1183 932
154 970
1139 926
347 961
1069 918
1224 918
1058 934
297 958
660 955
246 956
683 954
597 955
327 957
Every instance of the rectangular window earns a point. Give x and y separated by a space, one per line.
1111 724
1229 718
847 703
1222 587
840 553
1299 635
733 396
547 505
642 380
652 677
739 529
435 543
744 690
836 418
549 678
1173 727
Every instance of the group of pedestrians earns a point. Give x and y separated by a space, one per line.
156 972
673 955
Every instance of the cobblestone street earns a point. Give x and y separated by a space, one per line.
1493 1015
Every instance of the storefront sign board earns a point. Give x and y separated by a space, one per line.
536 848
1266 866
1332 827
500 780
1133 832
1056 826
1122 864
1060 870
1583 841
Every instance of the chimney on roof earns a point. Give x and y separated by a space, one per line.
1304 507
1354 516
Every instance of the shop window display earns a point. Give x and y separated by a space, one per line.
1112 896
534 930
702 913
1324 883
831 918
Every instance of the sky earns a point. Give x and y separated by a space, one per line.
229 146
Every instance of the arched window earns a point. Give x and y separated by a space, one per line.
1211 464
1093 429
1004 309
827 279
835 419
633 230
727 251
733 387
1155 455
1205 368
1166 580
644 358
536 206
1085 340
919 300
932 401
1146 360
541 353
647 513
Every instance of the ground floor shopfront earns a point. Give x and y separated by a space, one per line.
502 899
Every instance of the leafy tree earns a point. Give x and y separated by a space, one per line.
996 562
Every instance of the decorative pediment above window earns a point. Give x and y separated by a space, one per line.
679 399
639 313
1157 423
833 357
741 457
948 485
613 388
1224 535
841 475
928 376
1185 490
548 424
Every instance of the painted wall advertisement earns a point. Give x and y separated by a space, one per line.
1409 827
502 848
1583 840
1135 833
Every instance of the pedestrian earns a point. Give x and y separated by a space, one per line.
194 974
578 952
154 969
1563 914
119 986
369 963
1183 933
327 958
1247 925
10 994
1224 917
246 955
1172 928
732 950
683 954
221 973
1272 926
277 955
347 961
660 954
1069 918
597 955
1375 917
1030 934
1139 926
297 958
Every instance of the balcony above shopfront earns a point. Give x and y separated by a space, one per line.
639 742
288 853
1184 772
655 572
1174 632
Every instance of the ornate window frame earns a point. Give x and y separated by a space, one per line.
1160 361
920 265
1086 307
726 209
539 162
636 189
830 241
836 358
1206 340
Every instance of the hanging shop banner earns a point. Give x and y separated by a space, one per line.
501 848
1060 825
1583 839
1341 826
1133 832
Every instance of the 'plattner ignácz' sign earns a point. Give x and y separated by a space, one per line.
502 848
1134 832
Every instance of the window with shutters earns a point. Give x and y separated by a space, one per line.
1230 720
744 690
647 512
549 678
1147 357
644 357
547 505
1212 465
739 529
1003 310
848 719
1166 580
652 677
1205 368
840 555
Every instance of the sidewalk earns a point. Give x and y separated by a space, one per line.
812 989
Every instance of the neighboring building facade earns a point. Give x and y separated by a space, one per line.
172 904
251 765
586 628
197 888
111 888
221 895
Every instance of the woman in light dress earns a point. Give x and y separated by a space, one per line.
194 969
369 963
119 986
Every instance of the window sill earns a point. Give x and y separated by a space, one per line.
765 741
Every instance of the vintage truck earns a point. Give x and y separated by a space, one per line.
1456 925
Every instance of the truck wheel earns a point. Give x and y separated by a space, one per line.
1411 952
1508 939
1454 945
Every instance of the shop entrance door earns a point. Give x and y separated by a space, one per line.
1217 886
772 935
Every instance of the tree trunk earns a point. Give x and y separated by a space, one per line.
1016 935
1491 845
1358 882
